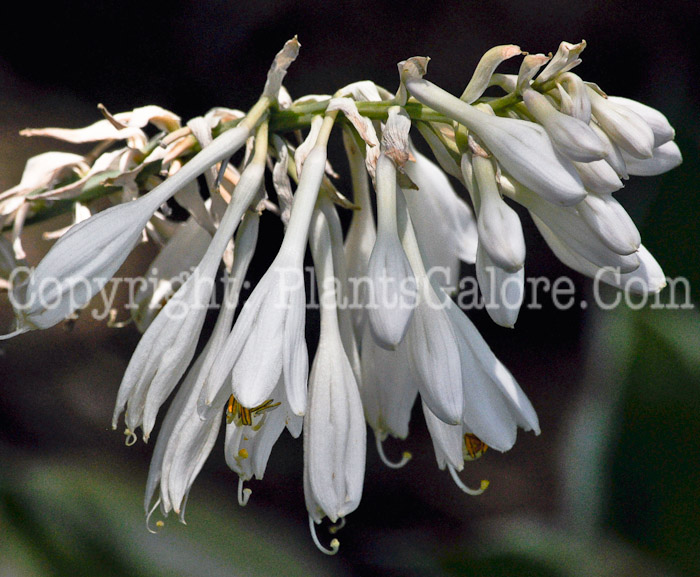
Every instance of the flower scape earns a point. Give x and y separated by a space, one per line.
389 332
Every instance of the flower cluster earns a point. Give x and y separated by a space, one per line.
389 330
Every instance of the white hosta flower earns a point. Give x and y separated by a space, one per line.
268 339
183 445
599 176
334 426
436 201
572 230
503 291
167 347
664 158
84 259
391 279
251 434
494 403
624 126
498 225
388 388
611 222
659 124
572 137
430 341
647 278
186 437
522 148
178 257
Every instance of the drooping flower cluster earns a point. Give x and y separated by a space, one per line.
389 330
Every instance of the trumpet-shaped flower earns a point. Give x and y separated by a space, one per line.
251 434
272 319
185 440
334 427
167 347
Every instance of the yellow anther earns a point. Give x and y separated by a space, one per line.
243 454
474 447
242 416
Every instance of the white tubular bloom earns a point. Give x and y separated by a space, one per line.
185 440
388 388
249 442
522 148
646 278
572 137
272 320
436 201
500 232
167 347
611 223
664 158
82 261
599 176
503 291
432 350
389 273
334 426
659 124
624 126
572 230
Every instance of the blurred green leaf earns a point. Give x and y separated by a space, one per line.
655 462
76 519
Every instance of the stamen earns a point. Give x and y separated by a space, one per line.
461 485
243 417
391 464
474 447
113 323
131 437
243 494
335 544
335 528
159 523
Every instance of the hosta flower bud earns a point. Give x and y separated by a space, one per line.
389 272
572 137
664 158
626 128
522 148
659 124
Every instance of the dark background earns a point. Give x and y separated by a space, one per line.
57 389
